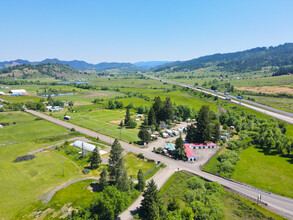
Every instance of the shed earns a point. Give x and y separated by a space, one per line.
1 106
2 93
1 126
200 145
67 117
170 147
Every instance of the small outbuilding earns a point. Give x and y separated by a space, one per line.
1 126
2 93
66 117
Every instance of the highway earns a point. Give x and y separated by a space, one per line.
273 112
280 204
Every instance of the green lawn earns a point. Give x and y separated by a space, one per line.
104 121
24 182
134 163
268 172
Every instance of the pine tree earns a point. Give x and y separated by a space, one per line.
216 132
103 180
179 145
127 117
95 159
151 205
167 112
152 117
141 181
204 124
157 106
123 183
116 161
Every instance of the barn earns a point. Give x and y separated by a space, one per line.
189 154
18 92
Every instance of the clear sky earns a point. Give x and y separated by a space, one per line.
139 30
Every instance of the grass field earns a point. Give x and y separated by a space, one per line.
233 206
103 120
134 163
269 172
24 182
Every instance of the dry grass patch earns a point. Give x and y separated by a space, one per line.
268 89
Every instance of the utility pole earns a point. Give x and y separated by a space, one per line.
62 167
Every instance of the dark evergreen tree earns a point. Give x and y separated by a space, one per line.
204 124
95 159
116 161
127 117
191 134
151 205
144 135
216 132
141 181
103 180
157 106
152 117
167 111
180 152
123 183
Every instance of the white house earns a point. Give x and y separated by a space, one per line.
1 126
2 93
18 92
201 146
54 108
1 106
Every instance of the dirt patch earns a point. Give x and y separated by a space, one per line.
268 89
96 95
116 122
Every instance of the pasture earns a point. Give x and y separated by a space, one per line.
269 172
23 183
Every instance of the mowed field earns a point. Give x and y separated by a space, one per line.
269 172
23 183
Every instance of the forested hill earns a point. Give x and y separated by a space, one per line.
77 64
39 70
243 61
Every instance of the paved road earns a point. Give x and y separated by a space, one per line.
276 113
282 204
160 178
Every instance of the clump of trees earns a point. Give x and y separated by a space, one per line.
115 104
207 127
38 106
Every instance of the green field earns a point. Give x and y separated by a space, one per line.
103 121
23 183
233 206
134 163
269 172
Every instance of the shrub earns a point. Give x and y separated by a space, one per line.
86 171
24 158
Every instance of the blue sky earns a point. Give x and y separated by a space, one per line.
137 30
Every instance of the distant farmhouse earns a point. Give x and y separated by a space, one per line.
2 93
54 108
18 92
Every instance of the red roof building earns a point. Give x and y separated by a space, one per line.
200 146
189 154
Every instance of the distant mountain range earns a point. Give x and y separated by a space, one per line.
244 61
82 65
151 64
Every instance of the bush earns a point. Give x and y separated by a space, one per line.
86 171
131 124
24 158
72 129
